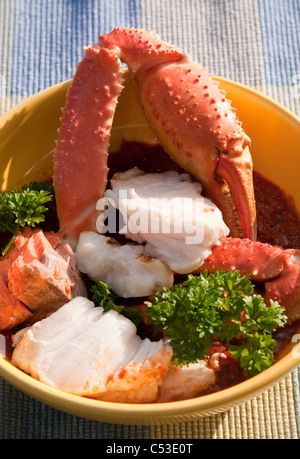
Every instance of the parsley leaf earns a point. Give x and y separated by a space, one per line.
217 306
256 354
19 208
103 297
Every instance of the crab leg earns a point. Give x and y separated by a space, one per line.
193 121
259 260
277 268
286 288
80 161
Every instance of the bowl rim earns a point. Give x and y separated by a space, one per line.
253 91
123 412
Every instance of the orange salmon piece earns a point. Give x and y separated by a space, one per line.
12 311
42 278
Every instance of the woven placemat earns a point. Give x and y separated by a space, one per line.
255 42
272 415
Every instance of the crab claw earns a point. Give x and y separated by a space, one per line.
193 121
188 113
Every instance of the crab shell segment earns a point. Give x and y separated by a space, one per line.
184 107
277 269
80 160
286 288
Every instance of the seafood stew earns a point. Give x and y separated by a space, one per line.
91 278
176 385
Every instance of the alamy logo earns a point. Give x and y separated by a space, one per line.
296 85
182 218
296 348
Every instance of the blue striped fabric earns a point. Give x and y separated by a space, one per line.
49 36
255 42
281 56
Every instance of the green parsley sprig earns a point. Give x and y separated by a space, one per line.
102 296
19 208
218 306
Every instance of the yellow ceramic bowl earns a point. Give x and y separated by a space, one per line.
27 140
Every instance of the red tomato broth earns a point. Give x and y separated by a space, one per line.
278 221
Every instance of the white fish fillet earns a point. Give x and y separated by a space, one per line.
127 269
167 211
186 382
84 351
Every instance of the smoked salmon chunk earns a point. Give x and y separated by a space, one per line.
12 311
16 248
42 277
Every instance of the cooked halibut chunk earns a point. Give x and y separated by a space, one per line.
82 350
186 382
127 269
167 212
